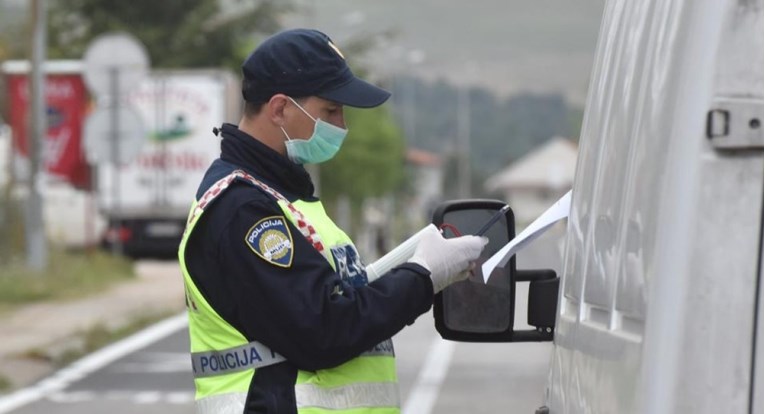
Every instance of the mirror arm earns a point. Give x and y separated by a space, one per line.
543 298
534 275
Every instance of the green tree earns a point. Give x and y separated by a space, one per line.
370 163
177 33
14 43
14 36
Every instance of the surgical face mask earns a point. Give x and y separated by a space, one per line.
321 146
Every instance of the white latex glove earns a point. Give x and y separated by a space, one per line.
447 259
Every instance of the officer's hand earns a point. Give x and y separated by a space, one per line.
448 260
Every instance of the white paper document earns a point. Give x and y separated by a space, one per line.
558 211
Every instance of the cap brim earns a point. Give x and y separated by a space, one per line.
357 93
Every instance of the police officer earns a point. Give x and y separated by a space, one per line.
281 316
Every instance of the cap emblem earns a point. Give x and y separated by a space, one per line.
332 45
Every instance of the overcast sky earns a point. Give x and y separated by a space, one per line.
508 46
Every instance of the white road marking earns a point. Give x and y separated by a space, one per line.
155 362
424 393
134 397
72 397
147 397
421 399
97 360
183 397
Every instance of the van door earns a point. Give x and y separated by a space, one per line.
658 297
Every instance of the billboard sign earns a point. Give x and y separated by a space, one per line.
66 105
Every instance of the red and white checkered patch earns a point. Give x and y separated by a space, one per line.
308 231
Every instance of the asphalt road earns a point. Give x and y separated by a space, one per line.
435 375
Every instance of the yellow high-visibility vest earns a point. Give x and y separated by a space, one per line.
224 361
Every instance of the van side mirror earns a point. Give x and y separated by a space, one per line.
474 311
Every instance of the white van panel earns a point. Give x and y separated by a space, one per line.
659 271
758 385
716 358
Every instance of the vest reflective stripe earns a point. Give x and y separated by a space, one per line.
228 403
240 358
255 355
358 395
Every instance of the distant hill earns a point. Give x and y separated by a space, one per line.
527 63
502 129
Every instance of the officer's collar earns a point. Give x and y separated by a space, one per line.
241 149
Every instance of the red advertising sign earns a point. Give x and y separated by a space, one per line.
67 102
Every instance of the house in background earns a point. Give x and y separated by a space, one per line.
533 183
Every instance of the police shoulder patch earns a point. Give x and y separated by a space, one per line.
270 238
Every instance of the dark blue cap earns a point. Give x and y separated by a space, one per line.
303 62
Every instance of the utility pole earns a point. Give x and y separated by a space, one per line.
114 138
463 142
314 170
37 255
463 133
414 57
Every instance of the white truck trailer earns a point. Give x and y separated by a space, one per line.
659 305
147 210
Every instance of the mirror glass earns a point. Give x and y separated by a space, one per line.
471 305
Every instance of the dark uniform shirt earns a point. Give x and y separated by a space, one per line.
296 311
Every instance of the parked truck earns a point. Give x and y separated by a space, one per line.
146 205
659 306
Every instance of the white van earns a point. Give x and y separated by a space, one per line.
659 306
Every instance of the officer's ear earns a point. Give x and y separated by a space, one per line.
275 109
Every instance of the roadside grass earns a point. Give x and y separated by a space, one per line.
5 383
68 275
